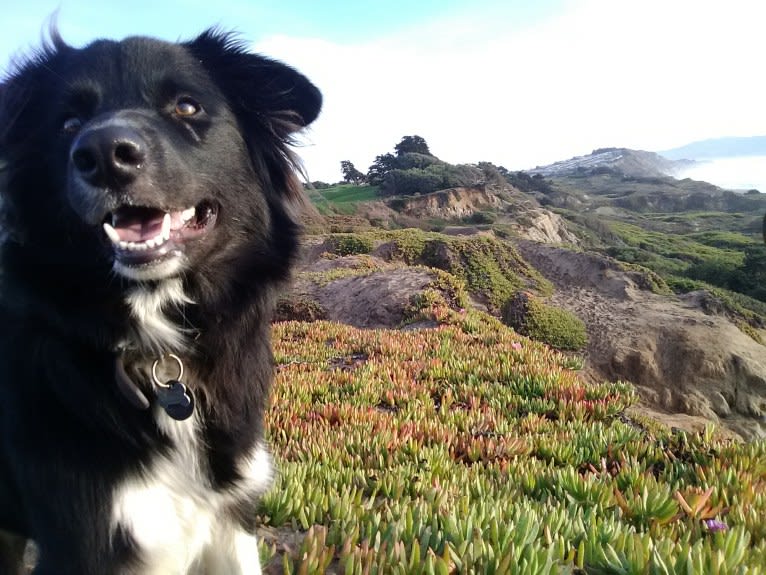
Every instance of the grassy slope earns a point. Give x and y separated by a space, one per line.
670 254
669 244
469 449
342 199
491 268
673 255
710 221
676 247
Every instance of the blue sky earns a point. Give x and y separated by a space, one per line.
337 20
515 82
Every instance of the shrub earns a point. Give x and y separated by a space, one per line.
714 271
480 218
397 204
410 182
492 270
352 244
529 184
299 309
750 331
646 278
430 178
557 327
680 284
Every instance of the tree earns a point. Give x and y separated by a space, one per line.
412 144
350 173
383 164
492 174
753 275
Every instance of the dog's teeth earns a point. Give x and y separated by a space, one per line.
150 243
123 245
112 233
165 234
186 215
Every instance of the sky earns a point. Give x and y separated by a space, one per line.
514 82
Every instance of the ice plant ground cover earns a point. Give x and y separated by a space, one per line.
470 449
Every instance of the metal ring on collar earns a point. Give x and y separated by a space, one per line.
157 362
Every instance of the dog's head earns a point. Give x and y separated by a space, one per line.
150 158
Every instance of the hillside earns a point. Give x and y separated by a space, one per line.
631 163
470 449
628 198
696 354
683 355
565 332
618 181
689 249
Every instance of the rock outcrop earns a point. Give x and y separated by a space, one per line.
449 204
362 291
683 357
544 226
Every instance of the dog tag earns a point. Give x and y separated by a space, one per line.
176 400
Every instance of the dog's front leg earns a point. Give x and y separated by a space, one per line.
231 550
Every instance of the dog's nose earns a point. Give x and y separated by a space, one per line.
108 155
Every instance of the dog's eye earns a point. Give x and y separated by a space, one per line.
187 107
72 125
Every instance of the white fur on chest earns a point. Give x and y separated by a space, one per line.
180 524
152 329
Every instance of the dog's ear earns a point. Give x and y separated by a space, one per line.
7 115
255 84
20 84
11 98
3 93
3 122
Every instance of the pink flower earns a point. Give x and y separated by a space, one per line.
516 345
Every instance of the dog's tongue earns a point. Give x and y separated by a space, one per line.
137 224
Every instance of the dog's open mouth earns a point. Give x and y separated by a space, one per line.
142 235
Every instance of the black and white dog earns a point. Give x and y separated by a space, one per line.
148 220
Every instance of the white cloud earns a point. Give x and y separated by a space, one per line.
648 74
738 173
